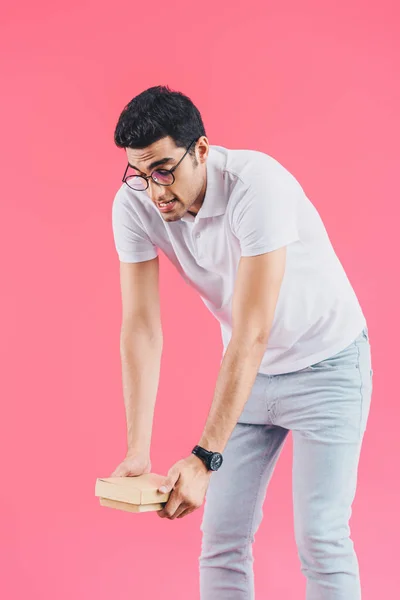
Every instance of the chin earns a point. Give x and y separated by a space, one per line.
171 216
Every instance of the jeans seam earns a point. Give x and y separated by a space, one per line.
361 394
251 519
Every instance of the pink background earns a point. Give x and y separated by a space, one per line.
315 86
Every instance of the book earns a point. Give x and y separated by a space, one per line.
130 507
132 494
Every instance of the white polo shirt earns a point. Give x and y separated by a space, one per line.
252 205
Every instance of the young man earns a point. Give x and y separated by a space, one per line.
240 229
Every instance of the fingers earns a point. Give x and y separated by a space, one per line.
176 506
118 472
186 512
181 508
170 481
121 471
173 503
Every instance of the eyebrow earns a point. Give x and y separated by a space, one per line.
156 163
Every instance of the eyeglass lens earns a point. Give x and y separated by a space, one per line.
139 183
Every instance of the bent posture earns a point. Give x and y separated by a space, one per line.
240 229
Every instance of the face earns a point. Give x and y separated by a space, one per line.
189 187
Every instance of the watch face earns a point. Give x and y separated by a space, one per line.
216 461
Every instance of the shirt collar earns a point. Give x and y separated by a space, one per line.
214 203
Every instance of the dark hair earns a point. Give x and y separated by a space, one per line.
156 113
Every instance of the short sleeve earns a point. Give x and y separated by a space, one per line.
131 241
264 218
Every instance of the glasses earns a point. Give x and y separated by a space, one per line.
159 176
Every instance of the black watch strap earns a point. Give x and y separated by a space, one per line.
202 453
212 460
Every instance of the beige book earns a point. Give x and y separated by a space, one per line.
132 494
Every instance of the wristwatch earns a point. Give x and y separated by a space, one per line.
212 460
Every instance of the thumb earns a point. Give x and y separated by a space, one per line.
121 471
169 482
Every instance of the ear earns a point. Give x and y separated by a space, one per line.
202 149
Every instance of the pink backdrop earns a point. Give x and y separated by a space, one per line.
316 87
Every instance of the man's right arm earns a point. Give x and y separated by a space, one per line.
141 343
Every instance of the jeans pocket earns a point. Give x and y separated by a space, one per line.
348 358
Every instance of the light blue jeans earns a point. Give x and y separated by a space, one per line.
326 407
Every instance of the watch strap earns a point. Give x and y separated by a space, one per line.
203 454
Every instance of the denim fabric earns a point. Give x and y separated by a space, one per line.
326 407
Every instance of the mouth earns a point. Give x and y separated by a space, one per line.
166 206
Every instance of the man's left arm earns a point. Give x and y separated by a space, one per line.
255 296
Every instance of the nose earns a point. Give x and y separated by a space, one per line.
157 193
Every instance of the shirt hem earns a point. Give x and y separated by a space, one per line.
315 358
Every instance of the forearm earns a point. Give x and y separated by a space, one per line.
235 380
140 361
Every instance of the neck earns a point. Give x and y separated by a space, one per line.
200 198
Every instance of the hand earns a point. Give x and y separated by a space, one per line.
188 479
133 464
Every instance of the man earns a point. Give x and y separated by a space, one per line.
240 229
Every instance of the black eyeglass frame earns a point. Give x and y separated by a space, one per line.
147 177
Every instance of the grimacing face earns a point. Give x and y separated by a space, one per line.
190 183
